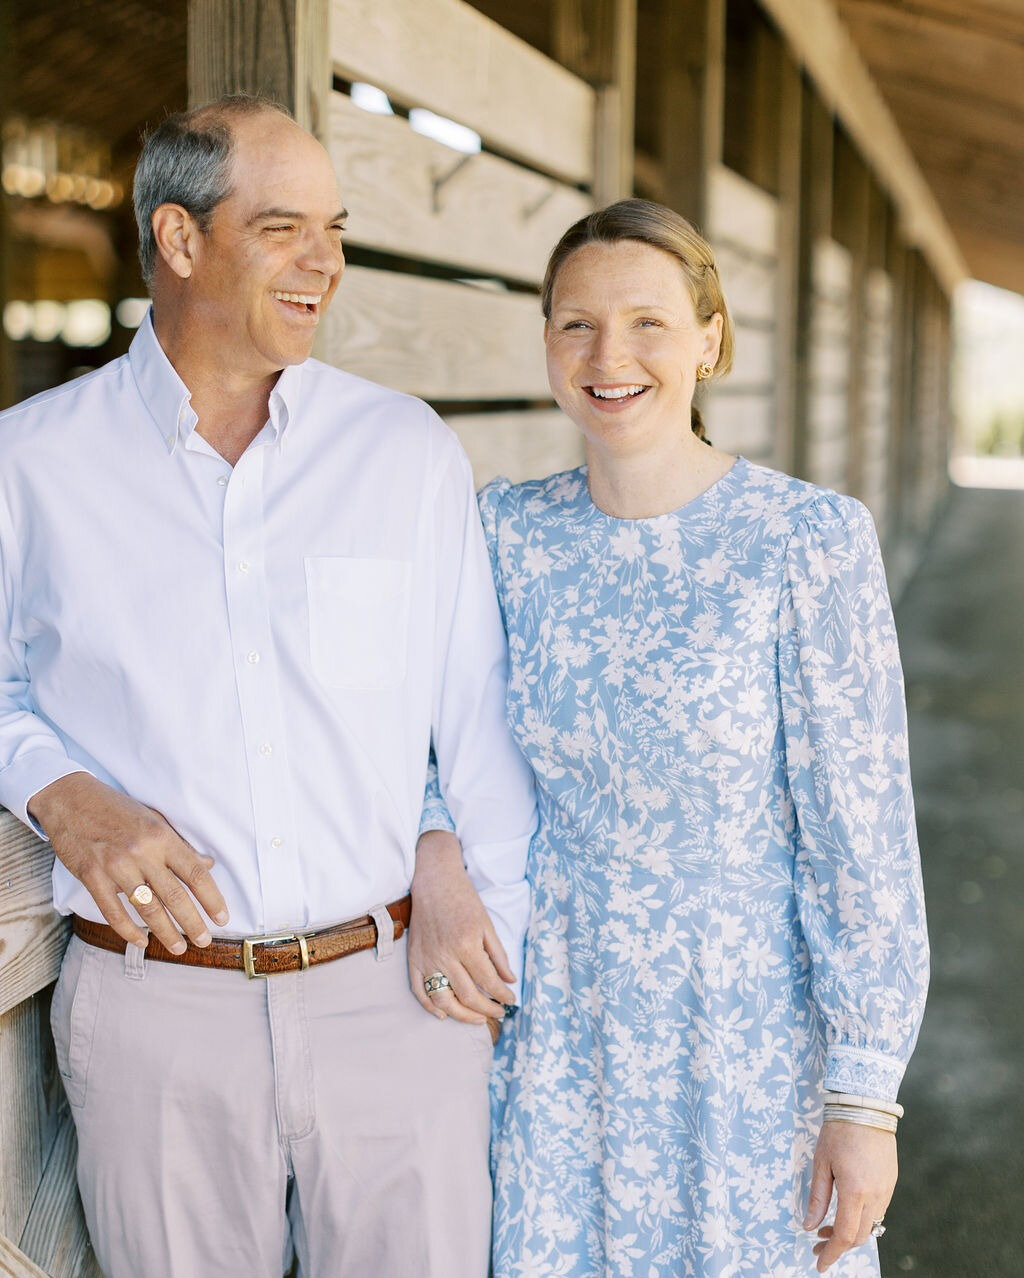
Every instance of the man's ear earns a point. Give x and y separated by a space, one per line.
176 233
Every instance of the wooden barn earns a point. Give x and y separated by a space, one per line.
851 160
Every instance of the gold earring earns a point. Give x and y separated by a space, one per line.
704 371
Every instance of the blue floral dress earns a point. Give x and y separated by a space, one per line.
727 911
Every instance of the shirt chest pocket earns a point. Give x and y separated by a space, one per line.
358 621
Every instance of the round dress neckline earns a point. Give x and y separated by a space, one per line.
652 521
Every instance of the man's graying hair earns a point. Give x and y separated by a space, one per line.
186 160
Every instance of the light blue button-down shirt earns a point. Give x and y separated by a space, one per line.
259 652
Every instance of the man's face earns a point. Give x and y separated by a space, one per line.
271 259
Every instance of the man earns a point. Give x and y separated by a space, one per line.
240 593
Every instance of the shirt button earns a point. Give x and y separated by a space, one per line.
276 843
243 565
223 481
253 658
266 748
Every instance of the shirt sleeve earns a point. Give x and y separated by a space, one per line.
486 783
32 755
858 875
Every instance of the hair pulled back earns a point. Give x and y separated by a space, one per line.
662 228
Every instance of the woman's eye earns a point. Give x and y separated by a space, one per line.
575 324
648 323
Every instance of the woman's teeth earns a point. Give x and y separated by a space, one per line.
615 392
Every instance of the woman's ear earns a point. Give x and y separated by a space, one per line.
713 338
175 233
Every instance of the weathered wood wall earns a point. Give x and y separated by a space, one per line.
466 335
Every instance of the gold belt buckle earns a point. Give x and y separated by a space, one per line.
279 938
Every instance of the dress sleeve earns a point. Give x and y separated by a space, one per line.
435 814
858 874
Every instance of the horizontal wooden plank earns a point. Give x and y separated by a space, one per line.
448 57
436 339
15 1264
32 934
741 213
520 446
750 284
407 194
55 1236
740 423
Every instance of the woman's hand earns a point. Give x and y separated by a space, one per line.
451 932
860 1162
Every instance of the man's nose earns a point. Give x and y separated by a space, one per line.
322 253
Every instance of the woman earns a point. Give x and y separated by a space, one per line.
727 907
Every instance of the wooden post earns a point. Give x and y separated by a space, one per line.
277 47
815 221
852 222
692 108
597 41
789 177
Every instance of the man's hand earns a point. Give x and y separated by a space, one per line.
861 1163
451 932
113 844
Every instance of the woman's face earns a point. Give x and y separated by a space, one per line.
623 344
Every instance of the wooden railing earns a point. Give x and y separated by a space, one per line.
42 1230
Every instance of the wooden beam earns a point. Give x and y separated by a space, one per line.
447 56
277 47
692 108
32 934
788 142
597 42
15 1264
823 45
852 216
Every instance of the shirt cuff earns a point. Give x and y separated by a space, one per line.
858 1071
509 908
22 780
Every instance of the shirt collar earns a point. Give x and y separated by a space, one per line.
169 400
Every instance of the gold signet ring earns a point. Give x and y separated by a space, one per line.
143 895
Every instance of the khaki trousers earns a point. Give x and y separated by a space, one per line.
223 1123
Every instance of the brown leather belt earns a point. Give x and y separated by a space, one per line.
262 955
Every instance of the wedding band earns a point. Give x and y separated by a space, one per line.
143 895
877 1229
437 982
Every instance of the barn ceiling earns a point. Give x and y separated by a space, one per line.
952 73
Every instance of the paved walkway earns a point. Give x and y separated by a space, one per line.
959 1208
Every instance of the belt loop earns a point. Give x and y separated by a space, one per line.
134 962
385 931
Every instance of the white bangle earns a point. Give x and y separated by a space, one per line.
865 1102
860 1116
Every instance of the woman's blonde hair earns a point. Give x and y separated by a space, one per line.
662 228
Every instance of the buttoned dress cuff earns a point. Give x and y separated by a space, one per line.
860 1071
22 780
